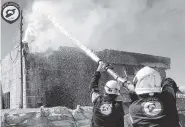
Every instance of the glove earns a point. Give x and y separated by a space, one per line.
130 86
103 66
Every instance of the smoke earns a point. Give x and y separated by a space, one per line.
78 20
132 25
99 24
145 26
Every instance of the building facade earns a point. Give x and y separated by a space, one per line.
62 77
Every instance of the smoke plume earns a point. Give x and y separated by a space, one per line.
145 26
116 24
78 19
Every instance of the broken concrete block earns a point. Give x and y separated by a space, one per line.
63 124
84 122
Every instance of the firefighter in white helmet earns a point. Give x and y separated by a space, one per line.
107 107
154 103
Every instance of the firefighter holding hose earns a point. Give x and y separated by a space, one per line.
107 108
154 104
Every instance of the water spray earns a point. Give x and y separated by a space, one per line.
87 51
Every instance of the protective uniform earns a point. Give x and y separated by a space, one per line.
107 108
156 103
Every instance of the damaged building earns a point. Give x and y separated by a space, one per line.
62 77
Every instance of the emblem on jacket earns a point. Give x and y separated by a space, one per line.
152 108
106 109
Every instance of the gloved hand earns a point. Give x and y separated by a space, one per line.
103 66
130 86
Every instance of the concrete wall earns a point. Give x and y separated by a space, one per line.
1 95
10 76
61 78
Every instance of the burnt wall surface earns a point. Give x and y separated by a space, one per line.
61 78
128 58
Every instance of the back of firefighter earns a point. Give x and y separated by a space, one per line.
107 107
154 104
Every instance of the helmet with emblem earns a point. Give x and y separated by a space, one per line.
112 87
147 81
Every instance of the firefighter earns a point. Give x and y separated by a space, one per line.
107 108
154 103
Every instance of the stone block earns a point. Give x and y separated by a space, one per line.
57 117
78 113
84 122
15 119
63 124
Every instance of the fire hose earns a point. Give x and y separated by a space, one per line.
87 51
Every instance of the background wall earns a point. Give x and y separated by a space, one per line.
62 77
10 77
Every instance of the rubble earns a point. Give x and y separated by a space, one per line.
49 117
54 117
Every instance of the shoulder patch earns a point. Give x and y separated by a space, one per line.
106 109
152 108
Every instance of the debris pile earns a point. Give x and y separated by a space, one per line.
54 117
50 117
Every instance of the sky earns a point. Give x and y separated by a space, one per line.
155 27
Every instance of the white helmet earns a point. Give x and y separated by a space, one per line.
147 80
112 87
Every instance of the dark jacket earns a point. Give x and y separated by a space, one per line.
106 112
156 111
